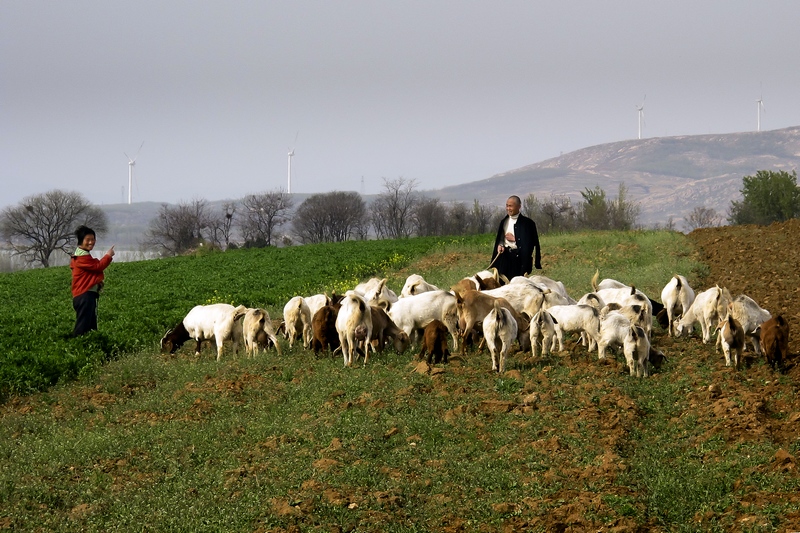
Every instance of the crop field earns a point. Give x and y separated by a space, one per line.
104 433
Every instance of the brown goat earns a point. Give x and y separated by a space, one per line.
383 328
473 307
775 340
323 327
434 342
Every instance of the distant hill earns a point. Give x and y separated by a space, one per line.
667 176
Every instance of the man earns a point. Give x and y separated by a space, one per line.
87 280
516 241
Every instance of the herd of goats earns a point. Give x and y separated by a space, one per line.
487 308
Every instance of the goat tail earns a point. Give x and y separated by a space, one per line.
595 279
498 311
731 323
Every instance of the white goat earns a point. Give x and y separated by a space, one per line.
416 284
257 324
576 318
617 330
542 332
557 294
354 320
677 297
413 313
316 302
709 307
499 330
205 322
297 321
524 297
748 313
375 292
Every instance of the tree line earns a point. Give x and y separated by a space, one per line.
43 224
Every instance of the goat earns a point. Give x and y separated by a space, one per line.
731 338
677 297
434 342
375 292
499 330
297 320
542 332
416 284
204 322
576 318
709 307
606 284
473 308
323 328
775 340
555 291
750 316
354 312
413 313
383 328
254 322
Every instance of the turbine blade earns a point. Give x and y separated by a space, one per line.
137 151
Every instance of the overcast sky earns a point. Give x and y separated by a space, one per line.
441 92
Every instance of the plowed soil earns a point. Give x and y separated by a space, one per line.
762 262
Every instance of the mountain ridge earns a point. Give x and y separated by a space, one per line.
667 176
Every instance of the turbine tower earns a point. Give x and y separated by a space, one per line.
760 106
640 109
291 155
132 162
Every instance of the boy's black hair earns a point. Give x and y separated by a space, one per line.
82 232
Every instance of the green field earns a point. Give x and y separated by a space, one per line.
121 438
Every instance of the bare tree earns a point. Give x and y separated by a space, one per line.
481 218
557 214
44 223
430 217
702 217
458 219
178 229
331 217
221 227
262 215
392 209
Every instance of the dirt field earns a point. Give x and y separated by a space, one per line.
762 262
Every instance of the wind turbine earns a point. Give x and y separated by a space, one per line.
760 106
640 109
291 155
132 162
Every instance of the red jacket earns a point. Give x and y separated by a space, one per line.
87 271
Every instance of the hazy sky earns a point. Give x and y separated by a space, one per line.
442 92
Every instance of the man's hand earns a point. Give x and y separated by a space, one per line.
510 237
500 248
111 250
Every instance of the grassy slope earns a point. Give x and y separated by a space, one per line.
179 443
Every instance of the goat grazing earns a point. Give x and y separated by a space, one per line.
204 322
